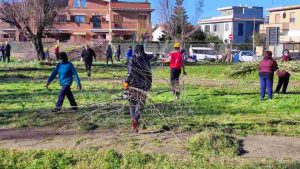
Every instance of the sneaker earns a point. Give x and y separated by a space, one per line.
135 126
57 109
75 108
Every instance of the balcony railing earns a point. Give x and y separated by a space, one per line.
7 39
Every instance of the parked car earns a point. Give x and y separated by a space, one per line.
204 53
247 56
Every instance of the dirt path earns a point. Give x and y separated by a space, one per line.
275 147
122 141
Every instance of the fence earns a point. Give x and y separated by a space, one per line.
294 49
25 50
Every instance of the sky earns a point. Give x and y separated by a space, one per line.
210 6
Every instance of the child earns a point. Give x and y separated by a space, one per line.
56 52
65 71
47 54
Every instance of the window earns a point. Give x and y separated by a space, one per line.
240 29
293 17
79 3
227 12
96 21
277 18
207 28
61 18
215 28
226 27
239 10
79 19
118 19
204 52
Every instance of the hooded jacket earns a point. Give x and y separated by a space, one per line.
139 70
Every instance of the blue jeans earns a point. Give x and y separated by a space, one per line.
266 82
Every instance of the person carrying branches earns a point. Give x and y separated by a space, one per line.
176 64
283 76
138 82
65 71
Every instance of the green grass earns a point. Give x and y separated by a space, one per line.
210 103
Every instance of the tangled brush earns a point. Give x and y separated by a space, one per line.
248 68
243 69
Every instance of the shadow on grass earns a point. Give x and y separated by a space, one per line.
25 69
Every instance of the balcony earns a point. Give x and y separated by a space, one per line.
282 26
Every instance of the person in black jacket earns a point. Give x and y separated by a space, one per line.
109 54
7 49
2 52
138 83
118 53
87 55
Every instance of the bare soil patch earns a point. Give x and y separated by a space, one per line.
274 147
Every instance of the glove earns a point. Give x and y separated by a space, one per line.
125 85
79 87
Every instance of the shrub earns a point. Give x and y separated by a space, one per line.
213 144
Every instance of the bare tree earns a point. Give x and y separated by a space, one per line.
166 11
32 18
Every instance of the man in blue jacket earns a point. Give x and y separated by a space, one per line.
65 71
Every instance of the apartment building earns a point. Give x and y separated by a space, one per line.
287 20
239 21
96 20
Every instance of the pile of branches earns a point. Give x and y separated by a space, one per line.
248 68
243 69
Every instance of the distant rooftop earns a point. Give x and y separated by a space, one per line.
241 6
284 8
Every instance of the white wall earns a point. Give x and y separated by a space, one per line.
158 33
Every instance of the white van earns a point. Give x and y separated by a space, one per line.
204 53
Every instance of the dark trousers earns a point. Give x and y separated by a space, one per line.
109 58
283 82
175 74
66 91
57 56
266 82
6 58
137 101
118 57
88 67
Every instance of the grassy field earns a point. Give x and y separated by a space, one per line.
215 110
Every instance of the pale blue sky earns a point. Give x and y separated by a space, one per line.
211 6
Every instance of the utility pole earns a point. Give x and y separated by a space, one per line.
254 31
110 36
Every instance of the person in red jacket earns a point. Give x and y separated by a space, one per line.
56 52
283 76
267 67
176 64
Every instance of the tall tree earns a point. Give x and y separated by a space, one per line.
179 20
32 18
175 20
